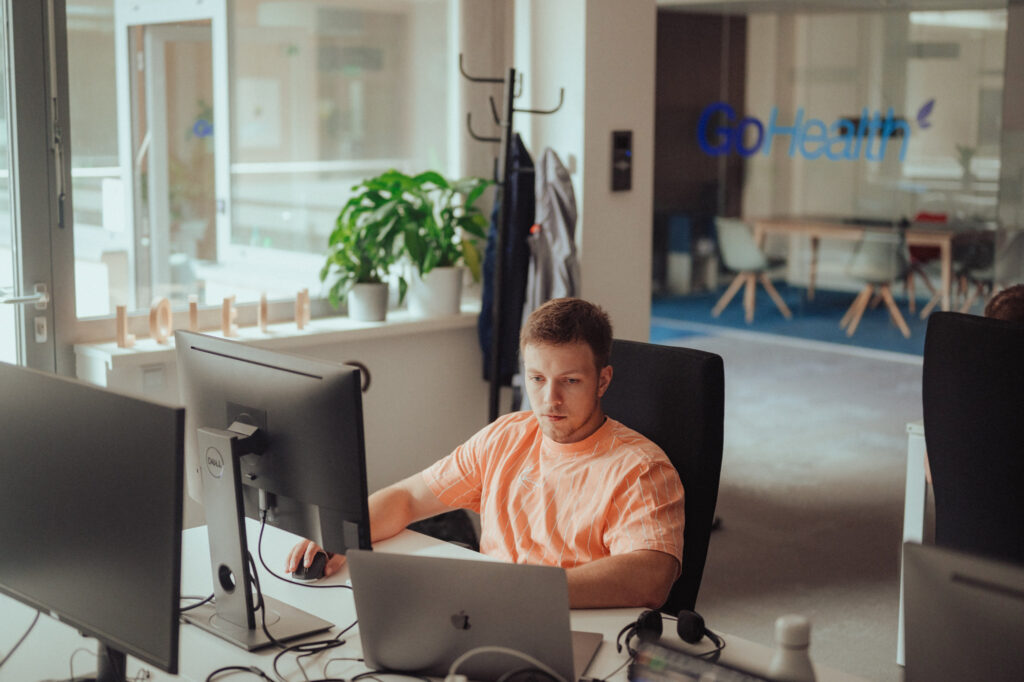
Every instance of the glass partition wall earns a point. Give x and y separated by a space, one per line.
932 80
858 115
874 117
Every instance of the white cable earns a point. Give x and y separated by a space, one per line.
503 650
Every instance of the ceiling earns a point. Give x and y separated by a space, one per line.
757 6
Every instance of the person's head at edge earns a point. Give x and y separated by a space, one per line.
565 345
1007 305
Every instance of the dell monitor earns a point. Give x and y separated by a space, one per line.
275 436
90 515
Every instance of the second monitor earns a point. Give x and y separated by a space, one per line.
270 435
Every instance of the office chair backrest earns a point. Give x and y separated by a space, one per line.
973 390
676 398
737 246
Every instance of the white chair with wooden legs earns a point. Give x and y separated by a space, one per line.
741 255
878 261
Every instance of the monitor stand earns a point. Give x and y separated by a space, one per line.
111 666
233 616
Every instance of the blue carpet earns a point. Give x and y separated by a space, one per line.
816 320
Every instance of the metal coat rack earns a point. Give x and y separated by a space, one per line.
502 173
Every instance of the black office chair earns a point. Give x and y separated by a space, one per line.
973 391
454 526
676 398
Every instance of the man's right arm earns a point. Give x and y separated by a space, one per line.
391 510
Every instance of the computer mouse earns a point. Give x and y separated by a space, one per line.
314 571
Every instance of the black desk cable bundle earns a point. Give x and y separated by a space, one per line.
199 601
71 658
21 639
303 649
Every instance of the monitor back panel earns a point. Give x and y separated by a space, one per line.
964 616
90 515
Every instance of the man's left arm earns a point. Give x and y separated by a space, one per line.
639 578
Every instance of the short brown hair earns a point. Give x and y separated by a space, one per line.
1008 304
570 320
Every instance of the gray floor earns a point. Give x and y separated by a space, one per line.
811 497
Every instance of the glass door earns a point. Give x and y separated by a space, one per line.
172 145
8 324
173 141
26 319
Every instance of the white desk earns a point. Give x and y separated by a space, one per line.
913 508
45 653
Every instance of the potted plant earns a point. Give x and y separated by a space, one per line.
432 221
361 250
441 238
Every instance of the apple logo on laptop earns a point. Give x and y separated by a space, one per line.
460 620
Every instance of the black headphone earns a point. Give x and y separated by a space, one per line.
689 626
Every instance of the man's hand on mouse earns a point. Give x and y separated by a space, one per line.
305 551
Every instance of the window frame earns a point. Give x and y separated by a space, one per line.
102 328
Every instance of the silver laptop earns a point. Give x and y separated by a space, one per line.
419 614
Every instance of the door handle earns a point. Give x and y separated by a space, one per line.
41 298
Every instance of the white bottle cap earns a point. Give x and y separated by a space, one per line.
793 630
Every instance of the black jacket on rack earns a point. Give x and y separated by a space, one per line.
519 192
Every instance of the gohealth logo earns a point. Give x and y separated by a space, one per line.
721 131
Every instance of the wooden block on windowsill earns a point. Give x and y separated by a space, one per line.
161 322
262 313
121 335
228 317
302 309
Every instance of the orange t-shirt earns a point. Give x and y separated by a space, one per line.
542 502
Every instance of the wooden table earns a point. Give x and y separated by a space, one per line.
823 228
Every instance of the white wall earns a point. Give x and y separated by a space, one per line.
485 40
603 53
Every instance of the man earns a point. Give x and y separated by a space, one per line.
562 485
1007 305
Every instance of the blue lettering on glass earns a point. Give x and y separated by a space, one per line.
729 136
702 129
924 112
721 131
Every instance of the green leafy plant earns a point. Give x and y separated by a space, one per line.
964 156
432 220
445 224
364 243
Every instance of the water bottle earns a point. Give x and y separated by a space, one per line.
792 662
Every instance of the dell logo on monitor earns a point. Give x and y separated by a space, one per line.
214 462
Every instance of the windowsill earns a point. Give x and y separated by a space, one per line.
286 336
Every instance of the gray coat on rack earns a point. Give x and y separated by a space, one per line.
554 271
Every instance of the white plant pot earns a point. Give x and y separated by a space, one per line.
368 302
437 294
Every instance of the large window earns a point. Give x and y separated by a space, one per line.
211 152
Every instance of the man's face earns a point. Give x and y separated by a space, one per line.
565 389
